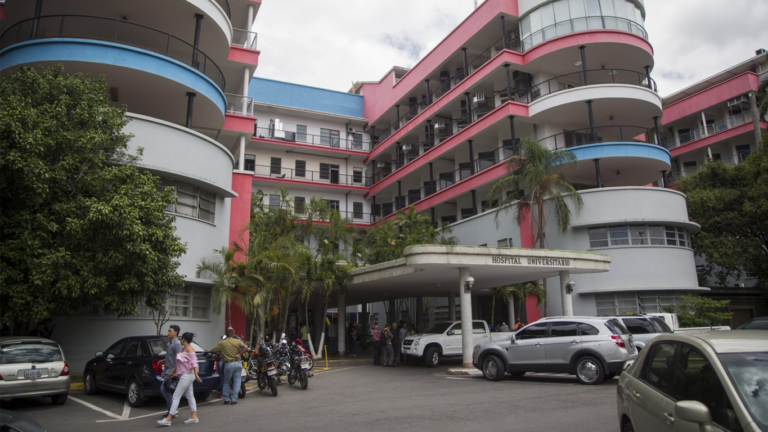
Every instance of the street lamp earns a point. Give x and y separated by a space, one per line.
468 283
569 287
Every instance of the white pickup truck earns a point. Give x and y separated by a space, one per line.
444 340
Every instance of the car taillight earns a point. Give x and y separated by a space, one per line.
65 371
215 366
619 341
1 377
158 365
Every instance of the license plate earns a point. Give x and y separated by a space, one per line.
304 366
271 372
33 373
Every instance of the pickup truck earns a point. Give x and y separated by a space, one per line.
672 321
444 340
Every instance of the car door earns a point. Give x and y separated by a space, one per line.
480 333
527 353
103 366
563 342
124 365
650 391
696 380
453 339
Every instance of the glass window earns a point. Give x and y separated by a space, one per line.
639 235
357 141
117 348
619 235
656 233
30 352
548 21
588 330
658 367
671 236
333 205
535 18
325 171
299 204
207 206
357 175
593 8
748 373
187 199
525 27
562 17
598 237
627 302
190 302
456 329
274 200
696 379
275 165
250 162
329 137
478 328
660 325
301 133
357 210
533 331
639 325
133 349
564 329
301 169
158 346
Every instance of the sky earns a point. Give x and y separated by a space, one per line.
331 44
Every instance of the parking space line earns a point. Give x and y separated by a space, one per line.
95 408
126 410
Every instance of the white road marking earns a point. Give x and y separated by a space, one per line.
337 370
126 410
155 413
95 408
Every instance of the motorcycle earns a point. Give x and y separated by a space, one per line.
299 366
261 367
282 359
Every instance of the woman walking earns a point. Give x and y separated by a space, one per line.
186 370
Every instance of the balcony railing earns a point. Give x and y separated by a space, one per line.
239 104
602 134
244 38
289 134
700 132
353 216
688 171
113 30
582 24
330 177
225 6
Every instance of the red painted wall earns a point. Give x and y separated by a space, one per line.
718 93
240 215
527 235
244 55
534 313
240 123
715 138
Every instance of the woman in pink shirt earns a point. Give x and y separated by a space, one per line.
186 370
376 346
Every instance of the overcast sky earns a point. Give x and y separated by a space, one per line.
332 43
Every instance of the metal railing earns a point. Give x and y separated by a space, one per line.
329 141
239 104
225 6
113 30
602 134
677 176
580 24
699 132
328 177
353 216
244 38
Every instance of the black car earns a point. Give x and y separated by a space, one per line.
760 323
134 366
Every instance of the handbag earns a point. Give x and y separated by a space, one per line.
171 383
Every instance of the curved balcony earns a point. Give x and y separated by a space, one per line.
114 31
582 24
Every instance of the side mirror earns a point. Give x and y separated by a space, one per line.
513 339
693 411
451 333
99 354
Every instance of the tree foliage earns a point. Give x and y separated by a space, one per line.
697 311
731 205
79 223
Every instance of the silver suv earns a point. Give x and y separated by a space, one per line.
592 348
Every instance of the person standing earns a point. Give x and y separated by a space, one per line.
376 346
333 332
39 331
402 334
231 350
389 353
353 339
174 347
395 341
503 327
304 334
518 324
186 369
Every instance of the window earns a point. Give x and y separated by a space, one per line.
743 152
634 302
31 352
274 200
637 235
301 133
207 206
325 171
619 235
657 370
564 329
747 371
133 349
357 210
478 328
191 201
275 166
333 205
639 325
507 242
456 329
329 137
299 205
588 330
357 141
357 175
187 199
190 302
533 331
117 348
301 169
250 162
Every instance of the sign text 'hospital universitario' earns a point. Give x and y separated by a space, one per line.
554 262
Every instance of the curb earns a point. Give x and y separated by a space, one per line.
464 371
76 386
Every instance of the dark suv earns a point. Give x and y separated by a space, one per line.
134 366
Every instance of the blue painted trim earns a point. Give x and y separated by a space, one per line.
92 51
305 97
622 149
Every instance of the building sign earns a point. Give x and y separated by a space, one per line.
545 262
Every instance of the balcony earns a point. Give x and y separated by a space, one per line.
116 31
328 177
700 132
582 24
244 38
675 177
331 139
239 104
602 134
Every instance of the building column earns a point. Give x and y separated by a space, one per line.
342 324
469 107
429 96
419 311
474 204
36 21
584 63
511 311
399 195
709 152
512 134
430 139
591 122
432 209
451 306
704 123
648 74
656 129
431 187
246 83
318 315
190 108
471 159
397 116
466 63
597 173
503 33
664 179
755 117
567 298
249 35
466 319
195 50
241 162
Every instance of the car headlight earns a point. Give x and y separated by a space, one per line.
416 343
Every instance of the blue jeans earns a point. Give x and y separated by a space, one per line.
377 353
232 373
353 346
167 394
221 374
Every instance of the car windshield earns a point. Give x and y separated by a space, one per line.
439 328
616 327
660 325
749 374
30 352
159 346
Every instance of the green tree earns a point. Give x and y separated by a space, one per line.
79 223
697 311
221 271
731 205
524 290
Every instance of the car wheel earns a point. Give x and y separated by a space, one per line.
492 368
59 399
589 371
432 357
517 374
627 427
201 396
89 385
136 396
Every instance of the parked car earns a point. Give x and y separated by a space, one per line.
134 366
31 367
644 328
592 348
13 421
444 340
674 323
707 381
760 323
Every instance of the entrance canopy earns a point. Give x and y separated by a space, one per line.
433 270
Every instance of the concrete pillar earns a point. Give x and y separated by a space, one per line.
392 312
709 152
511 312
451 306
246 83
419 311
241 161
249 27
755 117
704 124
565 277
466 319
342 324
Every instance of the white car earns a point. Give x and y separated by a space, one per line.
32 367
444 340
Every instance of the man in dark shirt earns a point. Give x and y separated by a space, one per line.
39 331
174 347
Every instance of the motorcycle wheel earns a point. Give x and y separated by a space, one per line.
273 387
304 380
311 364
241 393
291 377
262 382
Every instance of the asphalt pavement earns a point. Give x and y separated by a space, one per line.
357 396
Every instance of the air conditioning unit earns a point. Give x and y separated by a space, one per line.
350 129
381 164
407 147
440 124
479 98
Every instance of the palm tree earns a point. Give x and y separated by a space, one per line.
220 270
526 289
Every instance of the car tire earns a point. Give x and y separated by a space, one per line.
201 396
59 399
493 368
431 357
89 385
517 374
589 370
135 394
627 427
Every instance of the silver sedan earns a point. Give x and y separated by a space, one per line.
31 367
